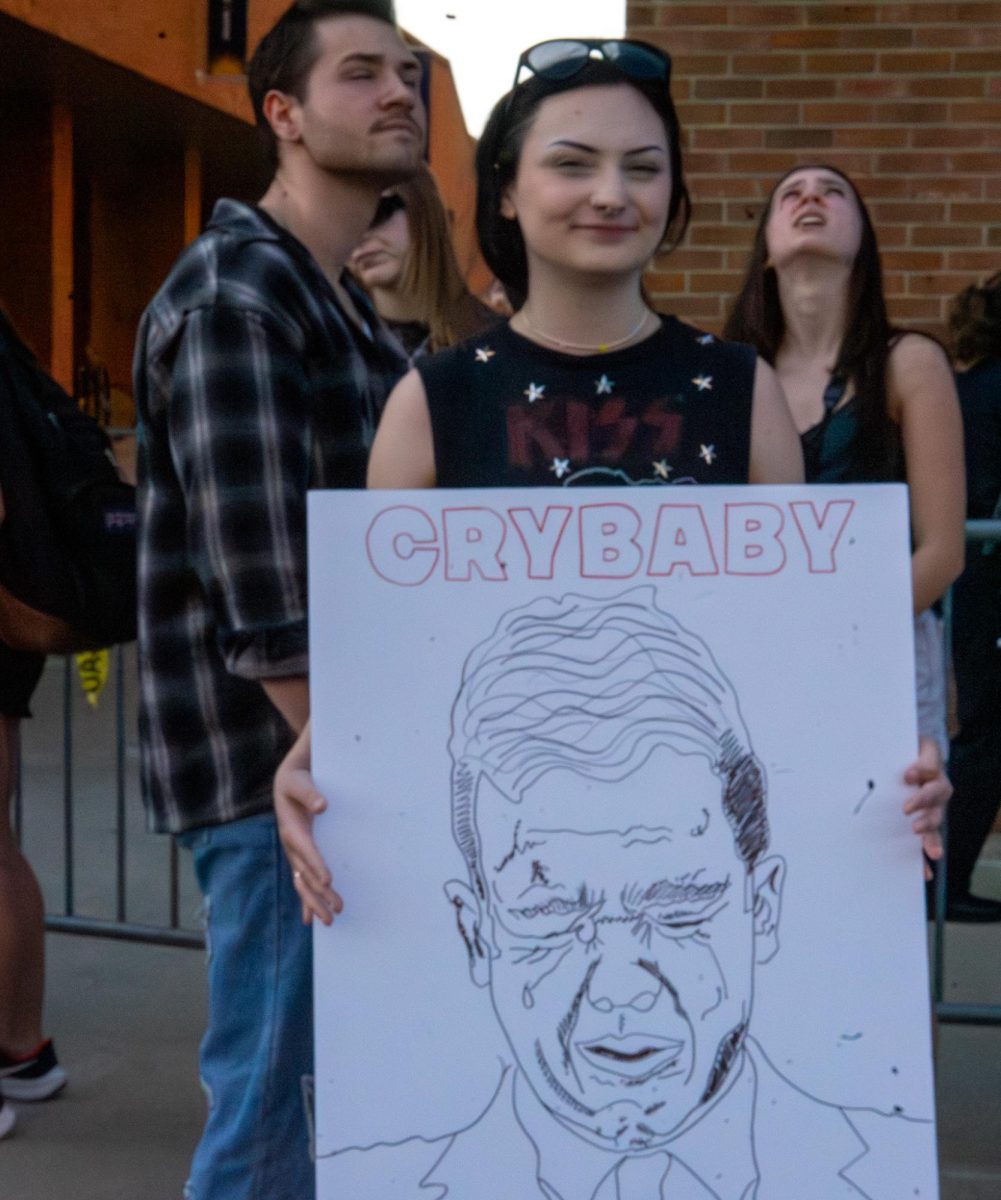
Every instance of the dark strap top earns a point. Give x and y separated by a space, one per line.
674 408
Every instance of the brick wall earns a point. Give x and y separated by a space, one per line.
904 97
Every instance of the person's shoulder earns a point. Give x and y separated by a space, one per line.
914 351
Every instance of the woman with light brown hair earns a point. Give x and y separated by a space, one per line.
407 264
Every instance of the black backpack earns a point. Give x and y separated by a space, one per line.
68 537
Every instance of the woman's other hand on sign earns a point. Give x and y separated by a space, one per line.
297 802
927 803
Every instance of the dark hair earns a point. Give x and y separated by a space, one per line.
756 317
285 55
595 686
975 321
499 152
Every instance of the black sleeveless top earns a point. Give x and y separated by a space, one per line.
674 408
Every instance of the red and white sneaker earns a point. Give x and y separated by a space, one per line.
35 1077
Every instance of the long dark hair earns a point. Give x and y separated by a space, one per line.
499 152
756 317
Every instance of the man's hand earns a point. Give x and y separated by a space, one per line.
296 804
928 803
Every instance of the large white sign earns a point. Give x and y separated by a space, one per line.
631 908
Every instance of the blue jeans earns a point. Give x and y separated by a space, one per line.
259 1041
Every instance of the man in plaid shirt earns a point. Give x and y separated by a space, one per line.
260 372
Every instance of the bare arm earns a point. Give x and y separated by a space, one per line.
776 455
290 695
922 399
403 452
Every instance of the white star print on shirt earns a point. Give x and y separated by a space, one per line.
484 354
703 382
707 453
662 468
535 391
603 386
706 339
560 467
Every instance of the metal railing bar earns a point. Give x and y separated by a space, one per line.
125 932
120 816
68 787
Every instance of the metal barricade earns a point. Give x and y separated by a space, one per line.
977 533
147 867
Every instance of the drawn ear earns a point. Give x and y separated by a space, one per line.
769 877
467 919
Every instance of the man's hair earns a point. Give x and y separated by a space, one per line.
595 686
285 55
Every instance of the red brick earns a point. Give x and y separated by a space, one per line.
839 113
949 187
960 210
684 259
919 62
638 15
705 212
918 112
960 36
840 14
733 186
946 235
764 114
712 40
723 283
665 281
871 38
871 137
766 14
927 162
923 212
727 138
720 235
906 310
699 64
979 14
975 112
705 162
994 236
909 14
873 87
892 237
693 14
976 60
883 186
729 88
746 212
767 164
954 86
937 284
799 139
767 64
695 113
973 260
698 309
804 39
841 64
800 89
964 136
912 260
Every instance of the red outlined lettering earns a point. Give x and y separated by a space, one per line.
821 534
473 537
541 539
609 548
681 539
751 540
402 545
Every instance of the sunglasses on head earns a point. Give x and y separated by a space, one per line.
387 207
562 58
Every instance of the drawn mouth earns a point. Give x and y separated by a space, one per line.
635 1056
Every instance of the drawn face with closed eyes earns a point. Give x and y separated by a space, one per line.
618 940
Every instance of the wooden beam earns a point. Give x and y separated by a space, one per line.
192 192
62 360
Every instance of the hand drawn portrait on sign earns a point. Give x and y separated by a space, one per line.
619 896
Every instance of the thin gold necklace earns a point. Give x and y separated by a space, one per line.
601 348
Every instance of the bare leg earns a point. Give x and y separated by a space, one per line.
22 928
